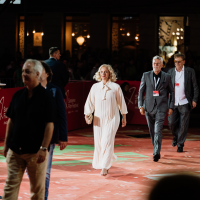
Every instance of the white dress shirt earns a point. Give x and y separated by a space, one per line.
180 98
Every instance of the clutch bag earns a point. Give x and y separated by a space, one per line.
90 117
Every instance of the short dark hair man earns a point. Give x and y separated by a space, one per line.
60 74
157 85
60 125
186 97
28 134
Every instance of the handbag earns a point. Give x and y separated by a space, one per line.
90 118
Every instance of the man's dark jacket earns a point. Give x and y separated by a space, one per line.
190 84
164 87
60 74
60 125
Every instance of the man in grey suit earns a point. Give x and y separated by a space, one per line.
157 85
186 97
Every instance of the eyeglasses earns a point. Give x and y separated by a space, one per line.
178 61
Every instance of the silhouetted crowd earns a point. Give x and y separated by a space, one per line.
127 67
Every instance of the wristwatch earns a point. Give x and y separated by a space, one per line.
43 148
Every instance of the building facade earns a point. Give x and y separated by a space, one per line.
124 26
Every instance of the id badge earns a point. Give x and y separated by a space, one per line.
155 93
176 84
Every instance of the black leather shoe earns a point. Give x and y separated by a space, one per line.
156 157
180 149
174 142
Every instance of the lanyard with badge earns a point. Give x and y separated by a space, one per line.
156 92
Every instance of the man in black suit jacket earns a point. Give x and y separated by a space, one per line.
186 97
60 74
157 85
60 125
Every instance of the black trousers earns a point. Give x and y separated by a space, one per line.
179 122
155 121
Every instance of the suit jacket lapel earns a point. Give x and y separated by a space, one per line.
152 80
161 80
185 77
173 76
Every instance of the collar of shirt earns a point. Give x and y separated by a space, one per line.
53 58
105 84
35 89
181 70
157 76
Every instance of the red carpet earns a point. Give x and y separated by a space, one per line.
130 178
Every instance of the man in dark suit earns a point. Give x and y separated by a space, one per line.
60 125
60 74
186 97
157 85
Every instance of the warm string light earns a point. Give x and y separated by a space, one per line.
73 34
33 31
88 36
128 34
137 37
42 33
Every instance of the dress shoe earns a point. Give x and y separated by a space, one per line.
174 142
156 157
180 149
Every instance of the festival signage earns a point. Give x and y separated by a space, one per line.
76 95
37 39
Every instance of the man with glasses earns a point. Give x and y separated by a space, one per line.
186 96
157 85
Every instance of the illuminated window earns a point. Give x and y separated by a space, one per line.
171 36
125 33
77 34
34 37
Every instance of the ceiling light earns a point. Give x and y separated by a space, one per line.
80 40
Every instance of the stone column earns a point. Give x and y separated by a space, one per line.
53 31
148 31
100 30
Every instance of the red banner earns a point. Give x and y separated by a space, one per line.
5 99
77 93
131 98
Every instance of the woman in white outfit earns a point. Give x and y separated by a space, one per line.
105 99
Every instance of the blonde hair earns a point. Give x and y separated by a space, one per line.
112 77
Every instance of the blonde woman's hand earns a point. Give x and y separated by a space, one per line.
86 119
124 121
